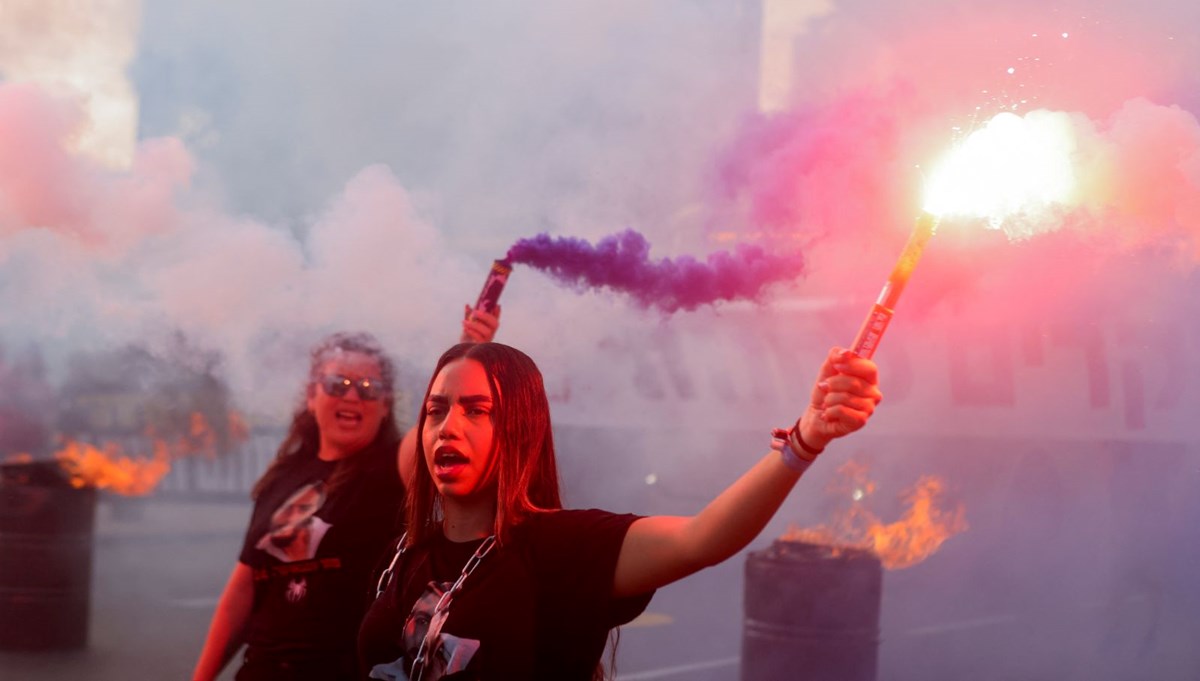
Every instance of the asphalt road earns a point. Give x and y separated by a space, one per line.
158 567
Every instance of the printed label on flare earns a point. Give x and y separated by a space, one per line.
871 331
490 295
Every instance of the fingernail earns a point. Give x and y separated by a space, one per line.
842 367
823 385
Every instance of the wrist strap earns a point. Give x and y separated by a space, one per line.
797 462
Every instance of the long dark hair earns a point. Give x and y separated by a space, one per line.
303 438
521 465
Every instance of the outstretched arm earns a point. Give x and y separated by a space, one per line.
659 550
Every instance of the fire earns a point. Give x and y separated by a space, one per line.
200 438
920 531
106 466
239 429
87 465
922 528
1014 169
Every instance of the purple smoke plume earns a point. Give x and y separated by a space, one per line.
621 262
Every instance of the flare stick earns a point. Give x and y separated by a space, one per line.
490 295
881 313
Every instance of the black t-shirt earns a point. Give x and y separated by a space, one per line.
540 607
312 549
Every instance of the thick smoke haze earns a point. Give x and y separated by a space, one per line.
301 168
95 258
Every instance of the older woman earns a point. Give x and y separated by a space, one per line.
324 511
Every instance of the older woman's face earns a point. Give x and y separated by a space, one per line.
458 432
348 422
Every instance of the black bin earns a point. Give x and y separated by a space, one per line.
46 529
812 613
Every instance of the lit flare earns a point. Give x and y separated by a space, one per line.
1008 171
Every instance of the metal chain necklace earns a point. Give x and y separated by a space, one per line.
442 610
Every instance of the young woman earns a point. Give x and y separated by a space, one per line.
324 512
493 580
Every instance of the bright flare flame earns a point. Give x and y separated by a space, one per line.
1014 167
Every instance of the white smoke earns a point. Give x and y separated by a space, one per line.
79 49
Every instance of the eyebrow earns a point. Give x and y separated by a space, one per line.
465 399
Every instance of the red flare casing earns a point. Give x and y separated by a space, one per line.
881 313
497 277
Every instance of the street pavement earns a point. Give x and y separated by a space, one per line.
159 566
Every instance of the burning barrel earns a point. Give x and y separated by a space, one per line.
45 557
812 613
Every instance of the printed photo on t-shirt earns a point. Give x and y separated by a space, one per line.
442 653
295 530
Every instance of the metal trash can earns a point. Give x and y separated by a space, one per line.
46 529
812 613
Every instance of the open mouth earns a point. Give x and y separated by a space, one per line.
448 462
348 418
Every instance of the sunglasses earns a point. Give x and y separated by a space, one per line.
336 385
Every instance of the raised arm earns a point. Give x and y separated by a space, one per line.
228 629
659 550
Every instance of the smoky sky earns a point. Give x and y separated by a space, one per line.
307 167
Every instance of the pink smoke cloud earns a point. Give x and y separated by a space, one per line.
37 176
45 185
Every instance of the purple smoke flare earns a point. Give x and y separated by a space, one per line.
621 262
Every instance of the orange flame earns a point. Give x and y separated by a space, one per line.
106 466
239 429
920 531
922 528
201 439
89 466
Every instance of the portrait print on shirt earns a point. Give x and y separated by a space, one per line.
295 530
445 654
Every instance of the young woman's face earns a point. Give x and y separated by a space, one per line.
350 421
458 431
